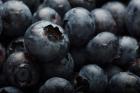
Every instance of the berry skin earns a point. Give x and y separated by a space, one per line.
128 51
124 82
88 4
61 6
32 4
118 11
22 70
56 85
79 25
48 14
92 78
63 68
133 18
16 17
103 21
1 2
10 89
46 41
16 46
103 48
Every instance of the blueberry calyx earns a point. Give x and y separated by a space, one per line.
82 84
23 74
53 33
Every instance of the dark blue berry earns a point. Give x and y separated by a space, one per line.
80 26
46 41
102 49
56 85
48 14
104 21
21 70
16 17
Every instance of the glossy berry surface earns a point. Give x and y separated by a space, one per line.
79 25
118 11
124 82
103 45
133 18
104 21
48 14
55 85
91 78
48 40
16 17
69 46
128 50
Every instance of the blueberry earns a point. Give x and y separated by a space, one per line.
48 14
118 11
111 70
1 1
91 79
124 82
16 45
61 6
63 68
103 21
16 17
128 50
10 89
21 70
133 18
56 85
135 67
46 41
102 49
88 4
79 25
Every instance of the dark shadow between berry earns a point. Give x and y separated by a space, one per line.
81 84
3 91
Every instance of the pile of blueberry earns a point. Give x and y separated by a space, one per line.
69 46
